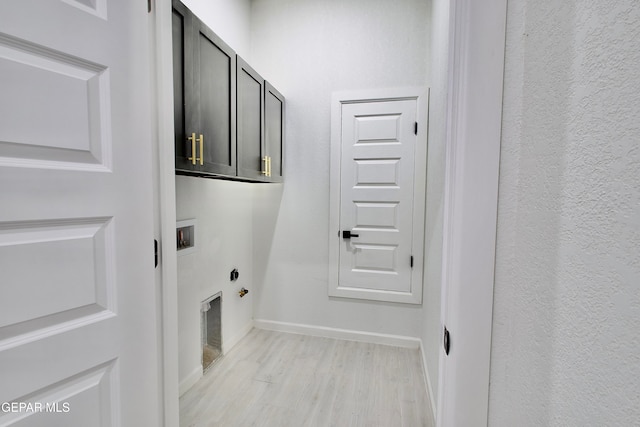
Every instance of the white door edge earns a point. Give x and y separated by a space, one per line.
421 95
474 118
161 41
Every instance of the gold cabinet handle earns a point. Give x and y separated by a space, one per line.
265 169
269 167
194 158
192 138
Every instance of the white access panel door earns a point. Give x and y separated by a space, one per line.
78 336
378 242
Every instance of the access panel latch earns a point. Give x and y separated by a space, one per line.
347 234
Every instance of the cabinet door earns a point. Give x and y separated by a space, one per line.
204 97
182 21
211 101
274 131
251 162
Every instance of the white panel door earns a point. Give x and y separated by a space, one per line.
78 337
378 247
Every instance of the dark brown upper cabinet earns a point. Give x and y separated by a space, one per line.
252 161
260 126
274 132
229 122
204 97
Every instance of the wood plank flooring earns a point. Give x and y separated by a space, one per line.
280 380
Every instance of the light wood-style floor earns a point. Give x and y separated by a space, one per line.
279 379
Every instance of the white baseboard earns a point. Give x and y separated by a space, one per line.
343 334
229 343
427 382
191 379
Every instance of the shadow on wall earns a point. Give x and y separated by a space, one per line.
267 200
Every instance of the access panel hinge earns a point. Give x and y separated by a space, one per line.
415 128
411 261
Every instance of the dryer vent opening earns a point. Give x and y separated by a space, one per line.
211 330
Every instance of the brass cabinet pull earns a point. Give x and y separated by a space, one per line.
267 166
192 138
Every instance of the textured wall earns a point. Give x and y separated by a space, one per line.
566 336
308 49
435 189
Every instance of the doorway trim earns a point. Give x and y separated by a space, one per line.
161 29
471 26
474 120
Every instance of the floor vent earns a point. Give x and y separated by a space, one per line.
211 330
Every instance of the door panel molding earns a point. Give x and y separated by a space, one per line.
78 296
383 134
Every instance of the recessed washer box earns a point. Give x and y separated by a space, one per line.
186 236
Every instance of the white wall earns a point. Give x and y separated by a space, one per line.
224 241
229 19
308 49
566 343
435 191
224 234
